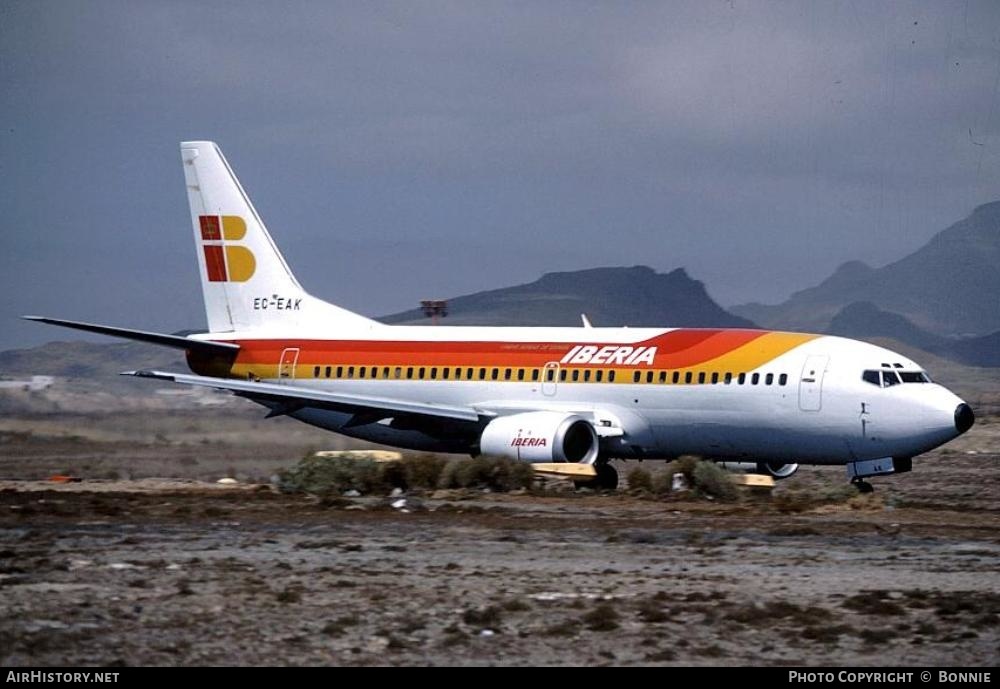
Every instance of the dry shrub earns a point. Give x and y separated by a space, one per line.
711 479
495 473
639 480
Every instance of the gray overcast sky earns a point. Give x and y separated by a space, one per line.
407 150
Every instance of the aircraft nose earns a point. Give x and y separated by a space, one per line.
964 418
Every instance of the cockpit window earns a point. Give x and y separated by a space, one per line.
888 378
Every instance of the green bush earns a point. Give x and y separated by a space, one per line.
713 480
639 479
423 471
495 473
321 476
328 477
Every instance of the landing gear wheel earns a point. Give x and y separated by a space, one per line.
863 486
607 477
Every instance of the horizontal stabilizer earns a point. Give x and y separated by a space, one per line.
203 346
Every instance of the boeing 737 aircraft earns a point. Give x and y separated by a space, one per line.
772 400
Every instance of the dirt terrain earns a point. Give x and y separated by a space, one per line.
126 568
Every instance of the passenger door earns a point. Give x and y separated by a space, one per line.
811 382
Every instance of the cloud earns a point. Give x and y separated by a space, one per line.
757 143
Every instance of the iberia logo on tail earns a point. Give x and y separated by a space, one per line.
225 262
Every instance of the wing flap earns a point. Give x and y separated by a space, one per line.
290 397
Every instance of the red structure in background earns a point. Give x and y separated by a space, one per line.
434 309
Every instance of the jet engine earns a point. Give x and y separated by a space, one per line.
772 469
541 436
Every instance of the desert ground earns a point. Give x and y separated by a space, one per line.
147 560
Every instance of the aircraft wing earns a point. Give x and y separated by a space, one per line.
290 398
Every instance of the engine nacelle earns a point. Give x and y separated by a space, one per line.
541 436
772 469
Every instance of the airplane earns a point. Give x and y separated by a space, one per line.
760 400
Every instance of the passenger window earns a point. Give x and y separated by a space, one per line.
385 372
534 374
421 373
742 379
562 375
328 371
715 377
598 375
611 376
316 372
340 371
729 377
434 373
663 376
468 373
361 372
482 374
550 374
754 379
398 373
409 372
649 376
586 376
783 379
506 374
520 374
636 376
350 371
495 374
677 377
688 376
769 379
701 377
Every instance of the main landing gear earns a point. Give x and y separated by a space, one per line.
863 486
606 479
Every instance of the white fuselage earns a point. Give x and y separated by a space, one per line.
821 411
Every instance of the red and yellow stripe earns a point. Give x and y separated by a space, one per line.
678 350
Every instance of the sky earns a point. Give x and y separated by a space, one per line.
402 151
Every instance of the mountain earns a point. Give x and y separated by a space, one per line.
950 286
865 321
89 359
637 296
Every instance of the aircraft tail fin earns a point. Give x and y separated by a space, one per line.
245 281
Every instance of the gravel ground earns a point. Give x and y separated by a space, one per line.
167 572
